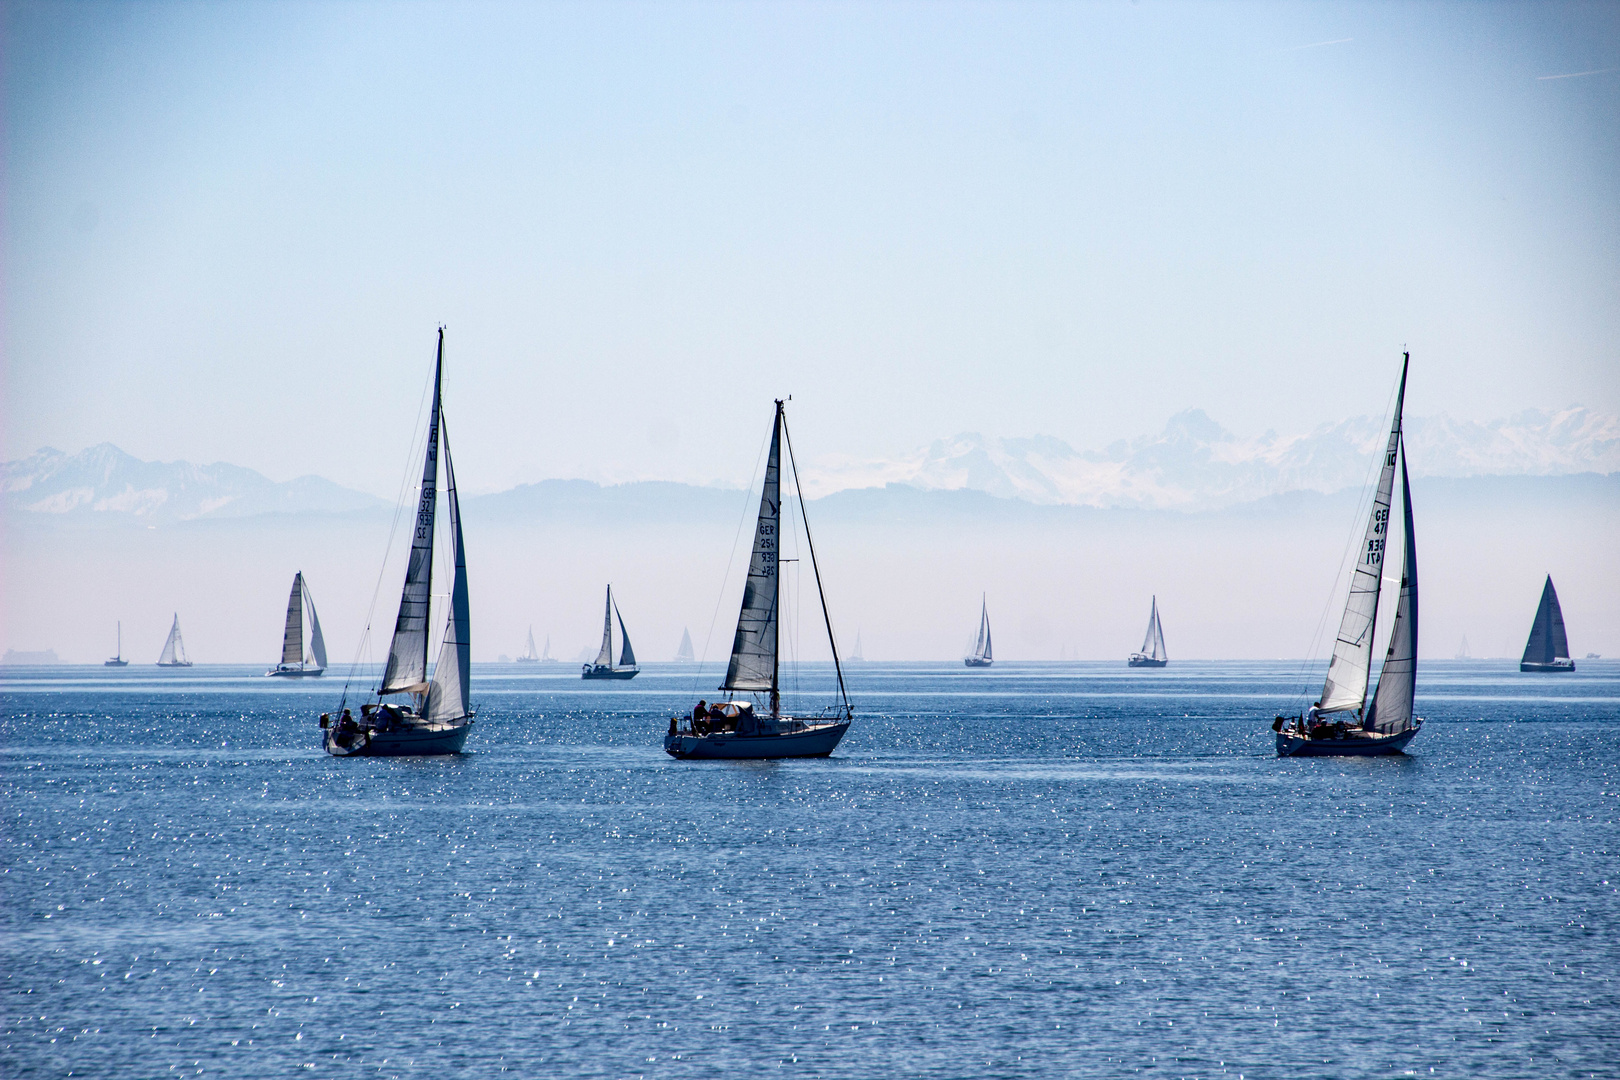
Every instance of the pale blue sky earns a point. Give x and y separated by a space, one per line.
230 229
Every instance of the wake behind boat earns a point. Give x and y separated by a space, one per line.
1548 647
1341 723
603 666
1153 652
733 729
294 663
434 714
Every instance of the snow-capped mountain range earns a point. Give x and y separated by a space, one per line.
1193 464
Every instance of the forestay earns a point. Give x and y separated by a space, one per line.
1346 685
407 653
753 650
1392 706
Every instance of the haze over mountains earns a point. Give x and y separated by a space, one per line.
1193 464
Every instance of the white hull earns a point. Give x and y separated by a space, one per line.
815 740
279 672
976 661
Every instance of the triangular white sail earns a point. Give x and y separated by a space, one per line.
174 649
684 654
292 635
531 654
604 657
627 655
545 654
1392 705
982 649
317 643
1153 641
753 649
1548 641
1346 684
407 652
449 695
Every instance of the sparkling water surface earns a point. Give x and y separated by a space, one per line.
1035 870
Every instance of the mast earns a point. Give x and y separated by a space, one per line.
406 670
1346 684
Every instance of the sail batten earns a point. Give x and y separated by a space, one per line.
407 653
1346 685
754 647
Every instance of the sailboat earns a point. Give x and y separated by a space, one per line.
118 658
1152 653
734 729
1462 650
1343 722
545 653
295 664
1548 647
981 648
435 714
684 654
858 656
603 666
531 656
174 649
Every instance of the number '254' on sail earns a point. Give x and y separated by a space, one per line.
1343 721
734 729
429 715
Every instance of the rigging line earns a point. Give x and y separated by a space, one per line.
393 528
1358 527
811 544
720 598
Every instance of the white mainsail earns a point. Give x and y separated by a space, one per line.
174 649
981 647
449 696
407 653
753 650
1346 684
1391 709
1153 643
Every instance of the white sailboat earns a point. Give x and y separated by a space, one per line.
431 715
530 655
1152 653
1548 646
545 653
174 649
1343 721
603 666
981 656
296 663
684 654
1462 650
735 729
858 656
117 659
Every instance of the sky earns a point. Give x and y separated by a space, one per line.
231 230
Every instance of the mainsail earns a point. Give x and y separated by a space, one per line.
1153 643
1391 710
1346 684
1548 641
753 650
449 695
407 653
174 649
292 637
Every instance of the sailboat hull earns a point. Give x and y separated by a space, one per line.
1354 744
609 673
976 661
405 742
1145 661
1555 665
186 663
294 673
817 741
115 663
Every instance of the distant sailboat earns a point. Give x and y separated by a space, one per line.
530 656
1387 724
603 666
857 657
438 714
1152 653
295 663
1548 648
684 654
734 730
174 649
118 658
545 653
1462 650
981 648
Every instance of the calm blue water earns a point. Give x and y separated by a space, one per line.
1039 870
